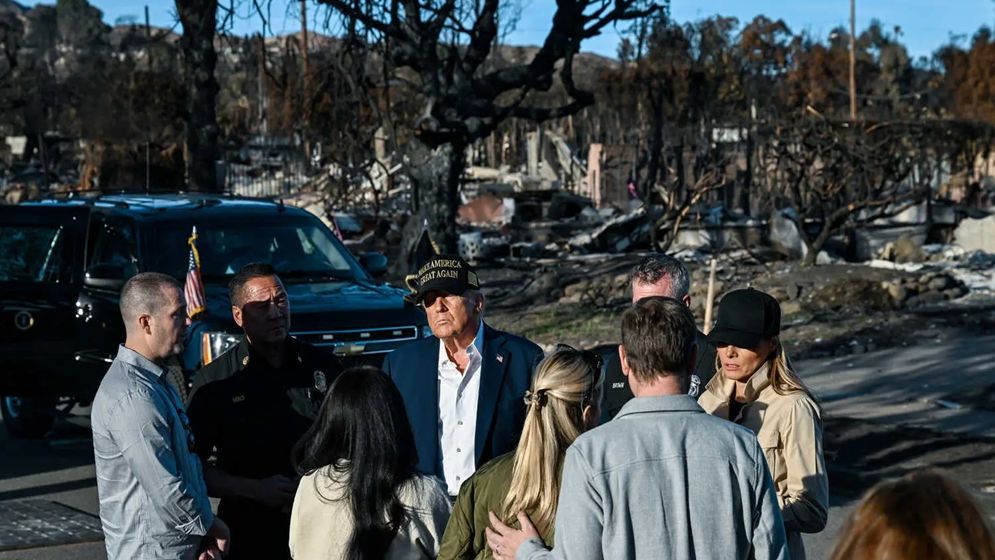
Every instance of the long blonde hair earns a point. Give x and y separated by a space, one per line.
563 385
782 376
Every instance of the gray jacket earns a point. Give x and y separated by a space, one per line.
153 501
665 480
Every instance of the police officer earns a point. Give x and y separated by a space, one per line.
250 406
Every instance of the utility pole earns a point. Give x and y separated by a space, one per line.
304 41
306 86
148 38
261 79
148 132
853 60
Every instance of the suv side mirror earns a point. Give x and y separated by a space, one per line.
105 276
374 263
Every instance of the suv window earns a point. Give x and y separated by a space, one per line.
114 244
297 247
31 253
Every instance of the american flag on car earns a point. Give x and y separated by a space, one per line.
194 288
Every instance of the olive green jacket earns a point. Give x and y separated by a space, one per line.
485 491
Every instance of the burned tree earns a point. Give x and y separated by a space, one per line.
445 48
838 174
199 19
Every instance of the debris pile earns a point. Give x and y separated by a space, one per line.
926 289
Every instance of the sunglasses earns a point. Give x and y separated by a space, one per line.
594 361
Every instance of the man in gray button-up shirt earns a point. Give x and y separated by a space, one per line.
663 479
153 501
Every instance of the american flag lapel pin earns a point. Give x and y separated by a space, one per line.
500 359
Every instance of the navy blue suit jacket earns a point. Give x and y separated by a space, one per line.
505 375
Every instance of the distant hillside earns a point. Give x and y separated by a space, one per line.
11 6
587 65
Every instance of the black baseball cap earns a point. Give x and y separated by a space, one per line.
746 318
445 273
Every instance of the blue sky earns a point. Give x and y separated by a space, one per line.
925 24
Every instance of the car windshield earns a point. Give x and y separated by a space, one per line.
300 249
30 253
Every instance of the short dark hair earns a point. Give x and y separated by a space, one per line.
236 286
658 335
145 293
653 267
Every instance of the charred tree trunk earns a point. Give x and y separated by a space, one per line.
745 203
436 174
815 245
655 145
199 58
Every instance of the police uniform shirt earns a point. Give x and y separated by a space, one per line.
617 391
253 413
250 414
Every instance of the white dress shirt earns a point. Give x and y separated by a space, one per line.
458 396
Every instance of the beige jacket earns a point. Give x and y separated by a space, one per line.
321 523
789 428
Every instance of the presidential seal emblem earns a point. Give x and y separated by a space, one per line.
23 320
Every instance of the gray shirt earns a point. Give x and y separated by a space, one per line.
153 500
665 480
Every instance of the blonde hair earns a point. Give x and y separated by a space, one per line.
783 378
563 385
923 515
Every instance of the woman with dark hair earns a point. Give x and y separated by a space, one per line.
360 497
756 387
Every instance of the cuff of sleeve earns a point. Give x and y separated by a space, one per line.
790 522
199 525
529 548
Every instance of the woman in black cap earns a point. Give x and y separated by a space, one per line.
759 390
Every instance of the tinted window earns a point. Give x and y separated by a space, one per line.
115 245
299 248
30 253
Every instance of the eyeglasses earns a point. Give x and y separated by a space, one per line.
594 362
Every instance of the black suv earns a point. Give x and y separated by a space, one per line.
63 262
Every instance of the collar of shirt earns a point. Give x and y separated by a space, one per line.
668 403
475 351
248 358
724 388
141 364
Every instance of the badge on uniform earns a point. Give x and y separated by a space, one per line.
695 385
320 383
500 359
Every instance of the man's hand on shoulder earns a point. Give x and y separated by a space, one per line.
504 540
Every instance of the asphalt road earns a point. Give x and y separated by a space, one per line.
57 468
899 386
